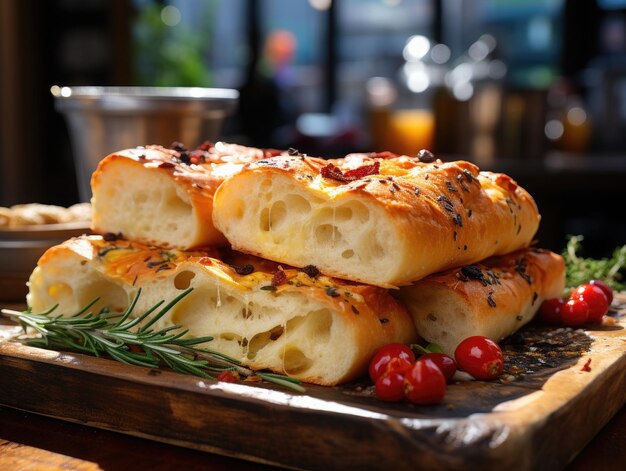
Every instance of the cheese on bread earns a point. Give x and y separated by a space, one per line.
386 221
297 322
493 298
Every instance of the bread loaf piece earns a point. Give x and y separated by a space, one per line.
295 322
386 221
493 298
162 196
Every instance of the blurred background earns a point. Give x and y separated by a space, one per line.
534 88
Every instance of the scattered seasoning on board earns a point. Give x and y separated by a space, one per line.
586 367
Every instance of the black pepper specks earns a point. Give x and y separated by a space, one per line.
446 203
450 187
520 268
110 236
311 270
243 270
425 156
332 292
490 299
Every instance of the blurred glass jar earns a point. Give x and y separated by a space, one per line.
102 120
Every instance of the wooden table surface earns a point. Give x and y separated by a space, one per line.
29 441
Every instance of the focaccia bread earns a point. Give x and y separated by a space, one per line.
493 298
163 196
386 221
291 321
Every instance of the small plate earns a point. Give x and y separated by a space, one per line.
53 232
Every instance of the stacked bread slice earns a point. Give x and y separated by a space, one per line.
429 228
335 239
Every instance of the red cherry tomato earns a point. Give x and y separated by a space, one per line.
596 300
378 363
550 310
425 383
445 363
575 312
480 357
608 291
390 387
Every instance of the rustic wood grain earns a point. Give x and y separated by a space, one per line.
484 425
17 456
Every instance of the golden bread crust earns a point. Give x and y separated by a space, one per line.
242 308
493 298
129 176
430 217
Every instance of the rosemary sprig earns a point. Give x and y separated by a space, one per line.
579 270
132 340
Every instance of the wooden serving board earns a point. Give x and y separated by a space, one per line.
538 417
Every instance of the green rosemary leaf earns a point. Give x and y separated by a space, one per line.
164 311
281 381
129 310
197 340
85 308
126 340
137 320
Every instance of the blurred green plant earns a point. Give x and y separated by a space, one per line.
171 56
579 270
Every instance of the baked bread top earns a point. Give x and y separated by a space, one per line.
296 322
376 218
163 196
493 298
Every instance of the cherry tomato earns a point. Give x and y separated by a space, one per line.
444 362
390 386
378 363
575 312
550 310
608 291
596 300
480 357
425 383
